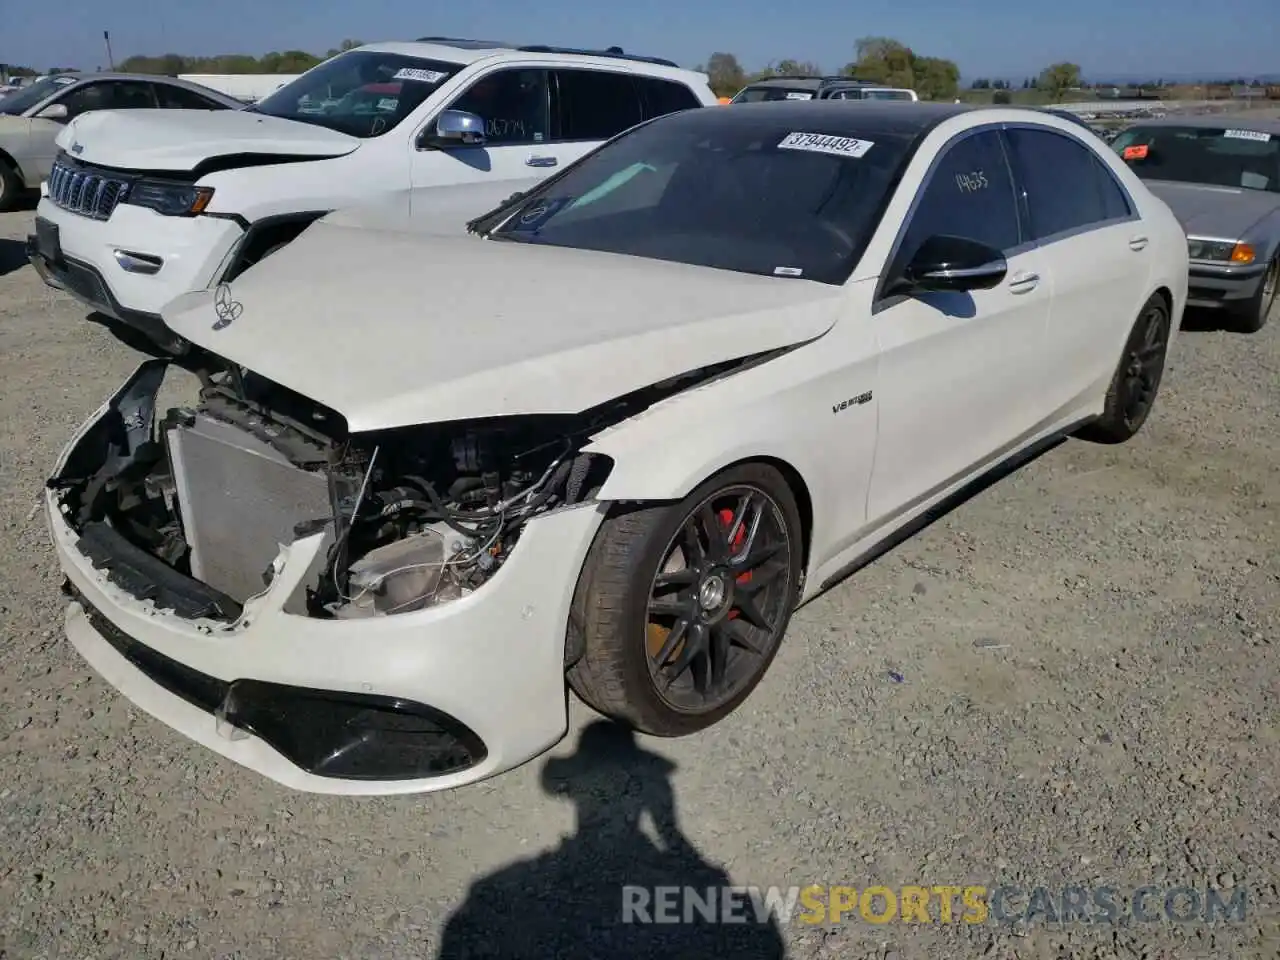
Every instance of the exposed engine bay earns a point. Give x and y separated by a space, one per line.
411 517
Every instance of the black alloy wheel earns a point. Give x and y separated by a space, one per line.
1144 365
681 606
720 598
1131 395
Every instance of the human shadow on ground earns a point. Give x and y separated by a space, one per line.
568 903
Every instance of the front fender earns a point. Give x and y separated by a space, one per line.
792 409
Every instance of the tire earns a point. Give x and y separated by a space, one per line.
1136 382
1252 316
736 607
11 187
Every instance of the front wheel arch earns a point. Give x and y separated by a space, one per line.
267 235
791 476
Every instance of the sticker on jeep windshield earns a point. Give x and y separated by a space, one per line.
1248 135
422 76
799 95
823 143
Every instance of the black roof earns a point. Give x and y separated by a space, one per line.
886 117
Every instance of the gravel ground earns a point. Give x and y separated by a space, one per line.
1072 679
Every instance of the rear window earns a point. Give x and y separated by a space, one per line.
1219 156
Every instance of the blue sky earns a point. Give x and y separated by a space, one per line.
994 38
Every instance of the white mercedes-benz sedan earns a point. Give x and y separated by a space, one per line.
607 439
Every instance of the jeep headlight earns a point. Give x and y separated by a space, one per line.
170 199
1221 251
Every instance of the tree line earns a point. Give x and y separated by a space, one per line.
172 64
876 60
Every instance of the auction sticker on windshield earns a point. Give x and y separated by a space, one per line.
415 73
824 143
1247 135
799 95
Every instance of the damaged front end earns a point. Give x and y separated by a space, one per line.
191 509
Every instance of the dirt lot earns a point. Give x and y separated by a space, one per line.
1072 679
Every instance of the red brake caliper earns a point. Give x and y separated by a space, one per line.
739 538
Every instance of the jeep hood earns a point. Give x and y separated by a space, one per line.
182 139
393 329
1203 210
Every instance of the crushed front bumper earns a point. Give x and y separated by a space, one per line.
414 702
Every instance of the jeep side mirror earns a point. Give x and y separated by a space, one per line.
455 128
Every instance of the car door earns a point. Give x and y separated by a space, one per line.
960 372
94 95
1088 231
514 104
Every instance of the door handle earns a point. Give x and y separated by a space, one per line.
1024 282
541 161
1138 243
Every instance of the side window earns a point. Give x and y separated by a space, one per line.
108 95
180 98
1115 201
596 104
664 96
1066 186
513 105
969 194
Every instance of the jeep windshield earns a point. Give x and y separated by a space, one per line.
1219 156
362 93
731 189
24 98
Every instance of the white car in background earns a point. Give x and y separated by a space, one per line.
612 436
143 208
34 115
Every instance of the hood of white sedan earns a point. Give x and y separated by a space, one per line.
393 329
182 139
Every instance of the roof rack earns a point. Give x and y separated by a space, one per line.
613 53
464 43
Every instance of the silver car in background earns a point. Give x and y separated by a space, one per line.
32 116
1221 176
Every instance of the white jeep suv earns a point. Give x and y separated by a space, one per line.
144 206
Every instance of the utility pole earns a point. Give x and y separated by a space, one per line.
106 38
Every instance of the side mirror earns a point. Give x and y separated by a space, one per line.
946 262
55 111
455 128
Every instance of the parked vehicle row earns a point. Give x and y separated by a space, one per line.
804 87
611 435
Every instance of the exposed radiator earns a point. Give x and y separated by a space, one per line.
240 500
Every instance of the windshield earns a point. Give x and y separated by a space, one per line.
724 190
886 95
24 98
772 92
1218 156
362 93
